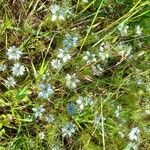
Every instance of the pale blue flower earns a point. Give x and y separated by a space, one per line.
50 118
99 119
10 82
18 70
45 90
71 109
70 41
60 13
134 133
71 81
38 112
56 64
14 53
68 129
2 67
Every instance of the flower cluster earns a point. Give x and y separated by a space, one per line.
60 13
17 69
64 55
123 29
84 101
89 57
123 49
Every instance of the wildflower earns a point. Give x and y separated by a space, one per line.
89 57
70 109
18 69
97 70
10 82
85 1
80 103
84 101
138 30
71 81
41 135
117 112
123 49
98 119
68 129
103 54
2 67
45 90
70 41
131 146
50 118
56 64
123 29
54 8
63 54
56 147
121 134
46 76
133 135
60 13
38 112
14 53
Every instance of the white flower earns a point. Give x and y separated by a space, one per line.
60 13
97 70
80 103
133 135
117 112
84 101
54 8
68 129
85 1
2 67
14 53
123 29
131 146
63 54
138 30
18 69
103 54
89 57
50 118
56 64
38 112
41 135
10 82
71 81
123 49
